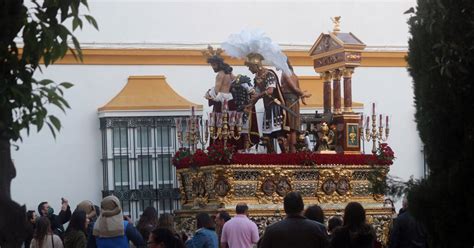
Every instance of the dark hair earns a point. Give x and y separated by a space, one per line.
293 203
30 214
315 213
148 221
166 220
334 222
241 208
40 207
148 217
168 238
204 220
354 215
220 64
224 215
43 228
78 221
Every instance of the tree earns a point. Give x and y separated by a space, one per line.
40 27
441 62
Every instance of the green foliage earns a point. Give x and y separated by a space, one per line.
441 62
41 27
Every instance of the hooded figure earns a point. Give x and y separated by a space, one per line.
110 229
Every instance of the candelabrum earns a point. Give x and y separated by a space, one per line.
226 125
376 134
192 133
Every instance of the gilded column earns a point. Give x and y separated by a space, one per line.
336 87
347 74
327 91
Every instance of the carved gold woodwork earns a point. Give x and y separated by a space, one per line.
224 185
334 186
273 185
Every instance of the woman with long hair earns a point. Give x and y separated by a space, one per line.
147 222
166 220
355 232
75 236
164 238
43 236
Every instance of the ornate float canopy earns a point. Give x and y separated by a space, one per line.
336 50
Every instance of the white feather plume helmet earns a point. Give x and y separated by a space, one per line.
255 41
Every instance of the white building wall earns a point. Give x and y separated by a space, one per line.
70 166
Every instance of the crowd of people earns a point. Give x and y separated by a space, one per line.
106 226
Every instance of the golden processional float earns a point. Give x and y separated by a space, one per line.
335 173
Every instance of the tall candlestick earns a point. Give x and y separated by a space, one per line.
381 124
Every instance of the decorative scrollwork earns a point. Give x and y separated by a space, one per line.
224 185
273 185
335 186
200 193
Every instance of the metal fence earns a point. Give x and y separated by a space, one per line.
136 157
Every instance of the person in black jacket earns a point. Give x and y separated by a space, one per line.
407 232
295 230
355 233
31 220
57 221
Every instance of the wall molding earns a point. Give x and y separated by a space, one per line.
372 57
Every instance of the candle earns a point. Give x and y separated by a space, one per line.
373 108
386 121
367 123
380 122
192 110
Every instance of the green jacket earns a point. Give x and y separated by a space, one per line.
75 239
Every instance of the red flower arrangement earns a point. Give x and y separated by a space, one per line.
218 154
182 158
385 153
200 158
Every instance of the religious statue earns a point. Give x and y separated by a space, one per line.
234 92
325 137
255 47
337 24
292 94
267 87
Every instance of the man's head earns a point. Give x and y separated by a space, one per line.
221 218
203 220
241 208
44 209
216 61
254 62
293 203
333 223
315 213
217 64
